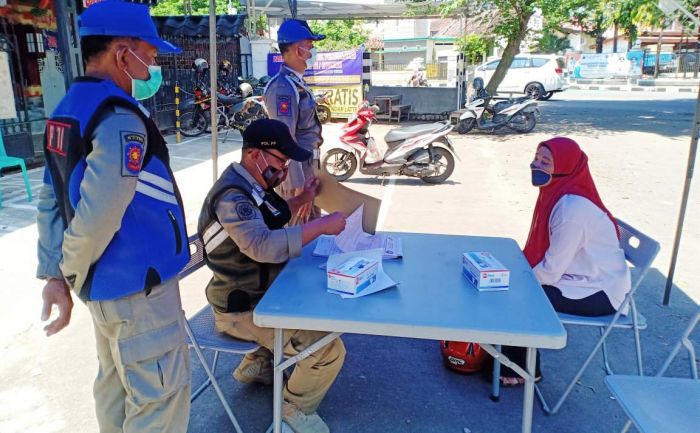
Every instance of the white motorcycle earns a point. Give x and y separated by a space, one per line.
519 114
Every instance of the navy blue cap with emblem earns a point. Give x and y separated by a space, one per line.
269 134
120 18
294 30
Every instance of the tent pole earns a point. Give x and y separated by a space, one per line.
213 89
684 201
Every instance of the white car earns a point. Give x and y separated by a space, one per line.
537 75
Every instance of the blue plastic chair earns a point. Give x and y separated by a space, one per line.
11 161
661 404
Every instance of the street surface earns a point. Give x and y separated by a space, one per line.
637 145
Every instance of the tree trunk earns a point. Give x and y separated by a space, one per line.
599 43
658 53
614 38
512 49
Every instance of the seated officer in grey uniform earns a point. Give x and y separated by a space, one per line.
289 100
246 244
112 228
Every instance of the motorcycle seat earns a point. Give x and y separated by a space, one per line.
406 132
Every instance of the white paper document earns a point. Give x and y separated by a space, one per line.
354 239
382 282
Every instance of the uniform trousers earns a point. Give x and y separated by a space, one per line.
312 376
143 381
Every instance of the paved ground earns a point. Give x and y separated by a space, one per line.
637 147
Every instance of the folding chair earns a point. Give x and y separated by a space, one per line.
640 250
202 334
11 161
661 404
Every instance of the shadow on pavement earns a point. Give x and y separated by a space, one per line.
400 385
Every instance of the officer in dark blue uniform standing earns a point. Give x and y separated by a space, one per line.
111 224
289 100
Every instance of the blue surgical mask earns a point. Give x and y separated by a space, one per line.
144 89
540 177
311 60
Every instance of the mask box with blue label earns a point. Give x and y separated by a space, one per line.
352 275
484 271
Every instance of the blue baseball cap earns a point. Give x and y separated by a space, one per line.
294 30
121 19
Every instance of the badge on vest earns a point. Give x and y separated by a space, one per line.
283 106
245 211
57 136
133 148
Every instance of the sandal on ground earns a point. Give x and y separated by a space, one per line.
510 382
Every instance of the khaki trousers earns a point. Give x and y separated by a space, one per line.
143 381
312 376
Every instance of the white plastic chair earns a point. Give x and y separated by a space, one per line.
202 334
662 404
640 251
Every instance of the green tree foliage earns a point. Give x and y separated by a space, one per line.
474 47
511 24
190 7
550 43
340 34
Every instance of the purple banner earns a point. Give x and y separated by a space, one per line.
331 67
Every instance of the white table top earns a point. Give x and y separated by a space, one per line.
433 300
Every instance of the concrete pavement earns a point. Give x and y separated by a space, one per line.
637 151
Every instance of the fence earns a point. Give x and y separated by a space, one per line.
178 68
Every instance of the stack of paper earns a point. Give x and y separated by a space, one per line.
353 238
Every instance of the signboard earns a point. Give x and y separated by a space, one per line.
7 96
339 72
344 99
331 67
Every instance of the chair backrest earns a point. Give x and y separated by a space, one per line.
196 256
686 342
3 152
640 250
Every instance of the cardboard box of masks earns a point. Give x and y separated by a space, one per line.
484 271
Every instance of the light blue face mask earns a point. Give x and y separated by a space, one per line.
311 60
144 89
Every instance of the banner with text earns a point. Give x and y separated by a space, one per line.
344 99
331 67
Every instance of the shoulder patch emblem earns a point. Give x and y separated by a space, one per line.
283 106
57 137
245 211
132 153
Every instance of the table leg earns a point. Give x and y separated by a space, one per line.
529 392
496 378
278 382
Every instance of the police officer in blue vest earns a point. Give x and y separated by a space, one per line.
289 100
111 224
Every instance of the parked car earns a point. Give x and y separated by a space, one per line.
537 75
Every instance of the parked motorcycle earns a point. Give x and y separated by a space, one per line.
323 105
519 114
423 151
234 112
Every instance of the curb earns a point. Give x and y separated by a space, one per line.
666 89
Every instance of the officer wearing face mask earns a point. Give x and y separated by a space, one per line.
111 224
289 100
246 244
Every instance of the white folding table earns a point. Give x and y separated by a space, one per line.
433 301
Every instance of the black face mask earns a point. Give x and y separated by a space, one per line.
273 176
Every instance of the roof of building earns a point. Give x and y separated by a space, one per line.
226 25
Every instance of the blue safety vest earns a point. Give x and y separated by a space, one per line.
151 245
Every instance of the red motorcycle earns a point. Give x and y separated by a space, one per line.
423 151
